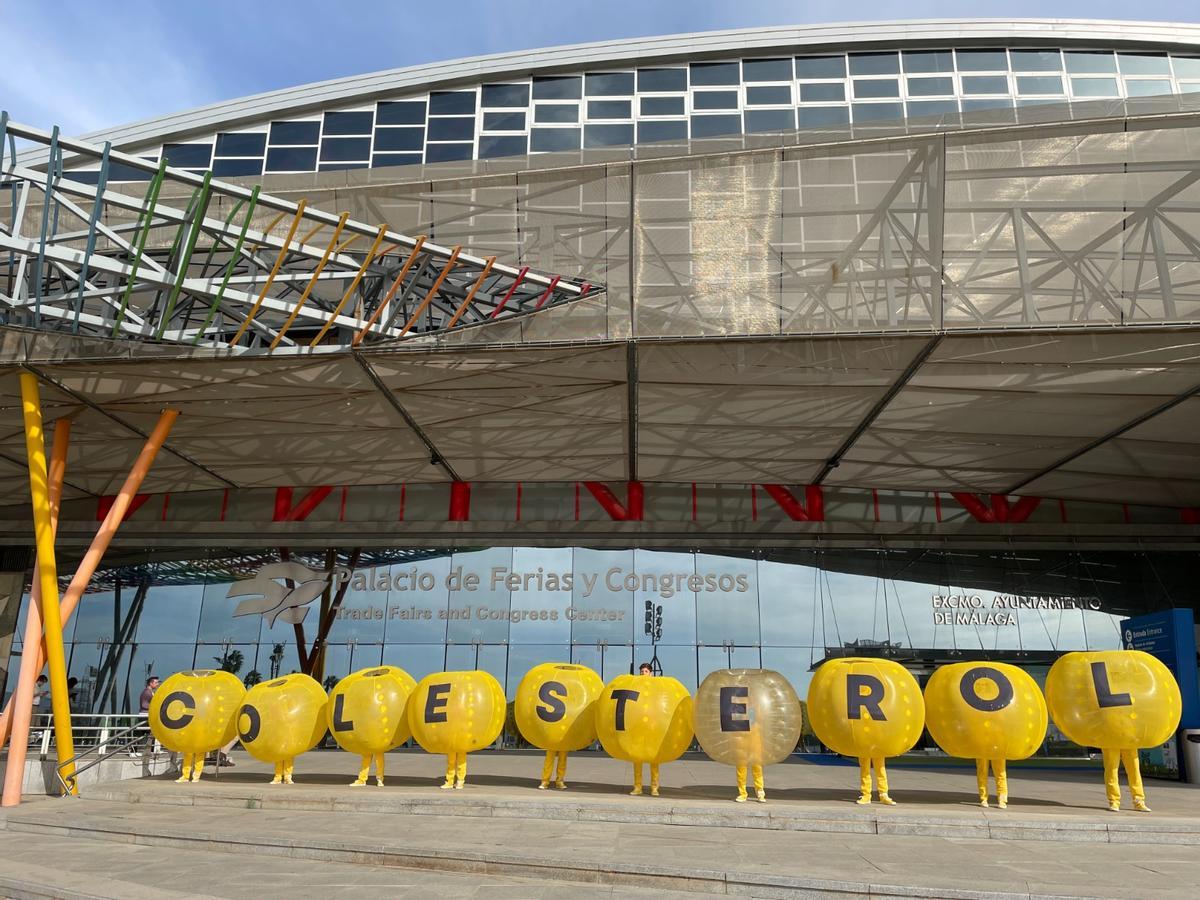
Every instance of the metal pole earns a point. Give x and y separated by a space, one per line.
39 485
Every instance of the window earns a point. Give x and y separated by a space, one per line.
1094 87
341 166
348 122
820 66
922 108
559 87
558 112
1090 62
822 93
874 63
1138 64
435 153
291 159
985 84
450 103
241 144
234 168
609 109
607 136
767 70
455 129
504 121
1186 66
994 103
662 106
508 145
714 73
345 149
880 87
930 87
188 155
401 112
661 80
870 112
758 120
1147 87
505 96
715 126
715 100
1036 61
399 139
928 61
292 133
1039 84
982 60
769 96
382 160
649 132
823 116
548 140
609 84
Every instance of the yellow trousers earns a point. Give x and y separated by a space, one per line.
548 768
193 766
758 780
864 772
1133 773
456 769
283 771
1000 770
637 777
366 768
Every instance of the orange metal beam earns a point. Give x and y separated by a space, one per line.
433 290
283 251
491 261
367 260
408 263
312 282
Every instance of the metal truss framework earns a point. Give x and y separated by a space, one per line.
231 266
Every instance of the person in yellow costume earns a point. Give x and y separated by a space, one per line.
194 713
555 710
1119 701
990 712
280 719
368 714
644 719
866 708
456 713
747 718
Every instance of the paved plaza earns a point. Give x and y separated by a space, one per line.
228 837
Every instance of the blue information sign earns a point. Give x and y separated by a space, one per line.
1170 635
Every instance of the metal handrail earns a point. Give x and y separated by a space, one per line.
109 745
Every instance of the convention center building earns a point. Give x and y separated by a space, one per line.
738 349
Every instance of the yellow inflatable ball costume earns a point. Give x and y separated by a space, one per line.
747 718
454 713
555 711
644 719
990 712
367 714
195 713
280 719
867 708
1117 700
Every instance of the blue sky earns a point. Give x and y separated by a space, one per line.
85 65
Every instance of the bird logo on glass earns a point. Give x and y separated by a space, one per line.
282 590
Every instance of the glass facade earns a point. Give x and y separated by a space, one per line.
508 609
613 108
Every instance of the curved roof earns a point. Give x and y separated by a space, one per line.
601 54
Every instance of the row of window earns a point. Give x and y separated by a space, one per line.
698 100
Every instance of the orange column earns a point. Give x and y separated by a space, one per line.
17 715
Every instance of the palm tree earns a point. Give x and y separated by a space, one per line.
230 661
252 678
276 659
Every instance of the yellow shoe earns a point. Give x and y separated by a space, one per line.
288 781
448 785
761 797
561 785
543 786
182 779
458 786
886 800
863 800
276 781
653 792
1115 806
1140 806
195 778
1002 801
740 798
358 782
378 782
636 792
983 801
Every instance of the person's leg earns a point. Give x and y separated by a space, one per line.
278 779
981 772
379 769
741 784
449 782
637 779
547 770
560 780
1112 778
1133 774
653 779
864 781
462 770
760 788
185 774
1000 770
197 766
363 768
881 780
289 766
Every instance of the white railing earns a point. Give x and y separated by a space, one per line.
92 731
